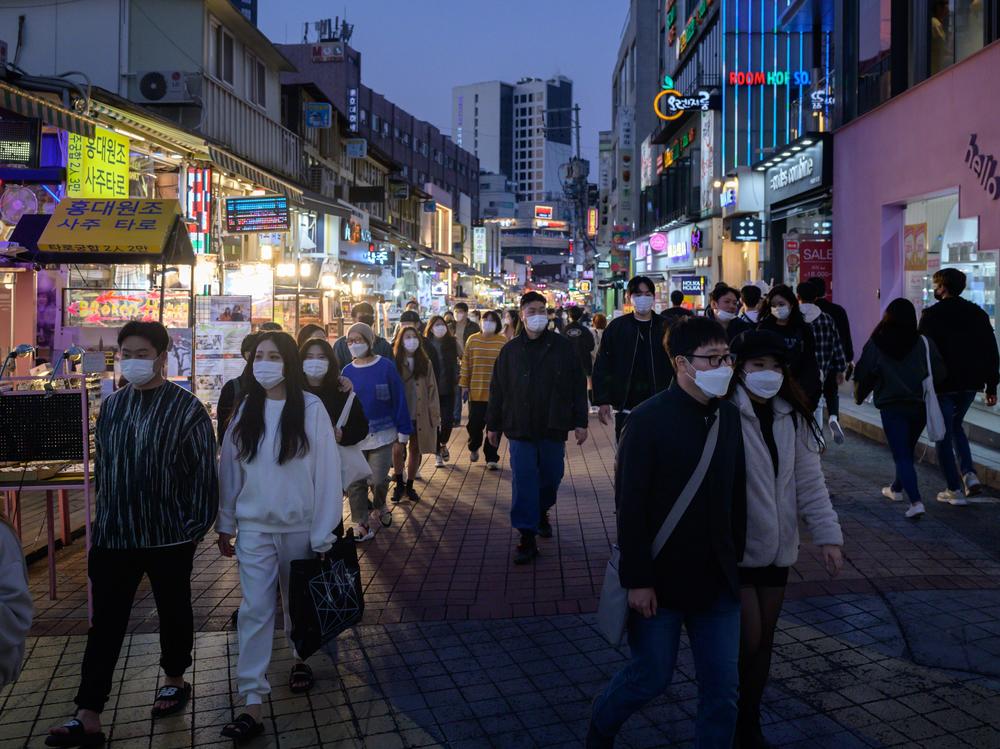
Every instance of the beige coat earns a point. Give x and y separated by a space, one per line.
426 410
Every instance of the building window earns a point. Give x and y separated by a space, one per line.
874 53
376 123
956 31
256 81
222 54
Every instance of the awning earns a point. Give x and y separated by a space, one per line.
152 127
29 105
324 204
255 174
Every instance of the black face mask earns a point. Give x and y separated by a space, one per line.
367 320
938 294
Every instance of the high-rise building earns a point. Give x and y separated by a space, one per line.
482 122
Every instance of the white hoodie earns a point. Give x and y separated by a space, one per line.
810 312
15 605
303 494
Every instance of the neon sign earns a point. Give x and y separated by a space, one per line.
769 78
676 105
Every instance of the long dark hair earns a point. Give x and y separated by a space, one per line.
896 334
449 344
785 292
331 380
249 430
790 391
421 362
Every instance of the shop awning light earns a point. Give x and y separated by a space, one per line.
258 192
796 148
786 154
305 270
762 169
285 270
807 142
128 134
176 156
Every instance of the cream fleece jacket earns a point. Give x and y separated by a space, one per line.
775 504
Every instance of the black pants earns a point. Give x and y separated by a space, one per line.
831 392
476 427
115 575
447 404
620 419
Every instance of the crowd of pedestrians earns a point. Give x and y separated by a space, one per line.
708 511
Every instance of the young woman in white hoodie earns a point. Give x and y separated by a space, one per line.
785 484
279 479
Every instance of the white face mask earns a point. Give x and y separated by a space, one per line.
764 383
269 373
781 313
138 371
713 382
725 316
439 330
642 304
536 323
357 349
315 368
411 344
752 315
489 327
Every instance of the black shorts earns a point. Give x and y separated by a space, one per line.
771 576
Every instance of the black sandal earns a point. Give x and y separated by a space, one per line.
178 695
302 676
75 736
243 728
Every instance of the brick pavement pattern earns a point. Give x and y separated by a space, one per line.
461 649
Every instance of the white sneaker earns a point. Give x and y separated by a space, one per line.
892 496
493 466
836 430
474 456
972 486
915 510
952 498
439 461
363 534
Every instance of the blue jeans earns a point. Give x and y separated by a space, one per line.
457 416
902 431
537 469
954 406
715 644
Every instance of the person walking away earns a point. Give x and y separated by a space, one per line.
781 315
600 324
538 394
16 609
233 391
893 366
725 305
962 332
442 348
785 484
830 357
840 319
631 363
481 352
581 338
751 296
677 309
383 399
319 365
362 312
693 580
279 478
157 497
424 407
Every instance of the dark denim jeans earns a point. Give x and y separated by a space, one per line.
715 644
954 406
537 470
902 431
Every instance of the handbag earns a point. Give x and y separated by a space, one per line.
936 428
324 596
353 466
612 609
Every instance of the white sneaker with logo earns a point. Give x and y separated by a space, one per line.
953 498
915 510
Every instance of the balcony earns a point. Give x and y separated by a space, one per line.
249 132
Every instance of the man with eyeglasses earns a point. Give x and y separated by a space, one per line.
693 579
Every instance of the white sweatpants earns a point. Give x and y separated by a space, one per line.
264 560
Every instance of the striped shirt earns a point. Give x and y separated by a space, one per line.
155 469
481 351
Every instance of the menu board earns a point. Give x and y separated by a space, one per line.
257 214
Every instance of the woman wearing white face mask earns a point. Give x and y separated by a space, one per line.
481 351
415 369
780 314
785 484
279 477
442 348
319 364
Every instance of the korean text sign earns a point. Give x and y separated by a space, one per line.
136 227
97 167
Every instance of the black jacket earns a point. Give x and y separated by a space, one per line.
801 356
229 400
839 315
672 315
653 466
583 341
356 426
964 336
613 367
445 363
556 385
737 326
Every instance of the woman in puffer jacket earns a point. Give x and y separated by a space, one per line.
785 483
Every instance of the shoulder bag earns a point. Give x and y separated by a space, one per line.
613 609
936 428
353 466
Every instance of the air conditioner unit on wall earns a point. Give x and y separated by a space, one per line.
164 87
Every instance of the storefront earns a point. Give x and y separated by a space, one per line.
741 257
918 188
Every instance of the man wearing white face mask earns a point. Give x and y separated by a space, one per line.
631 364
725 307
537 395
157 497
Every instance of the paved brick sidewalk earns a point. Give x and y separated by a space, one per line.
461 649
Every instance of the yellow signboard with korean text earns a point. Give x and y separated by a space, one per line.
97 167
114 227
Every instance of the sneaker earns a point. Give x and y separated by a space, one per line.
385 518
411 493
493 466
527 550
952 497
836 430
363 533
474 456
892 496
544 526
972 486
397 491
597 740
439 461
915 510
444 453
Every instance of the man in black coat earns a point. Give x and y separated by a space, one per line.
538 394
964 336
677 309
631 364
581 338
693 580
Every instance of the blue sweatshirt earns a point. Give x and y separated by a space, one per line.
380 390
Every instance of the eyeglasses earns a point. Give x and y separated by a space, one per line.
715 360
